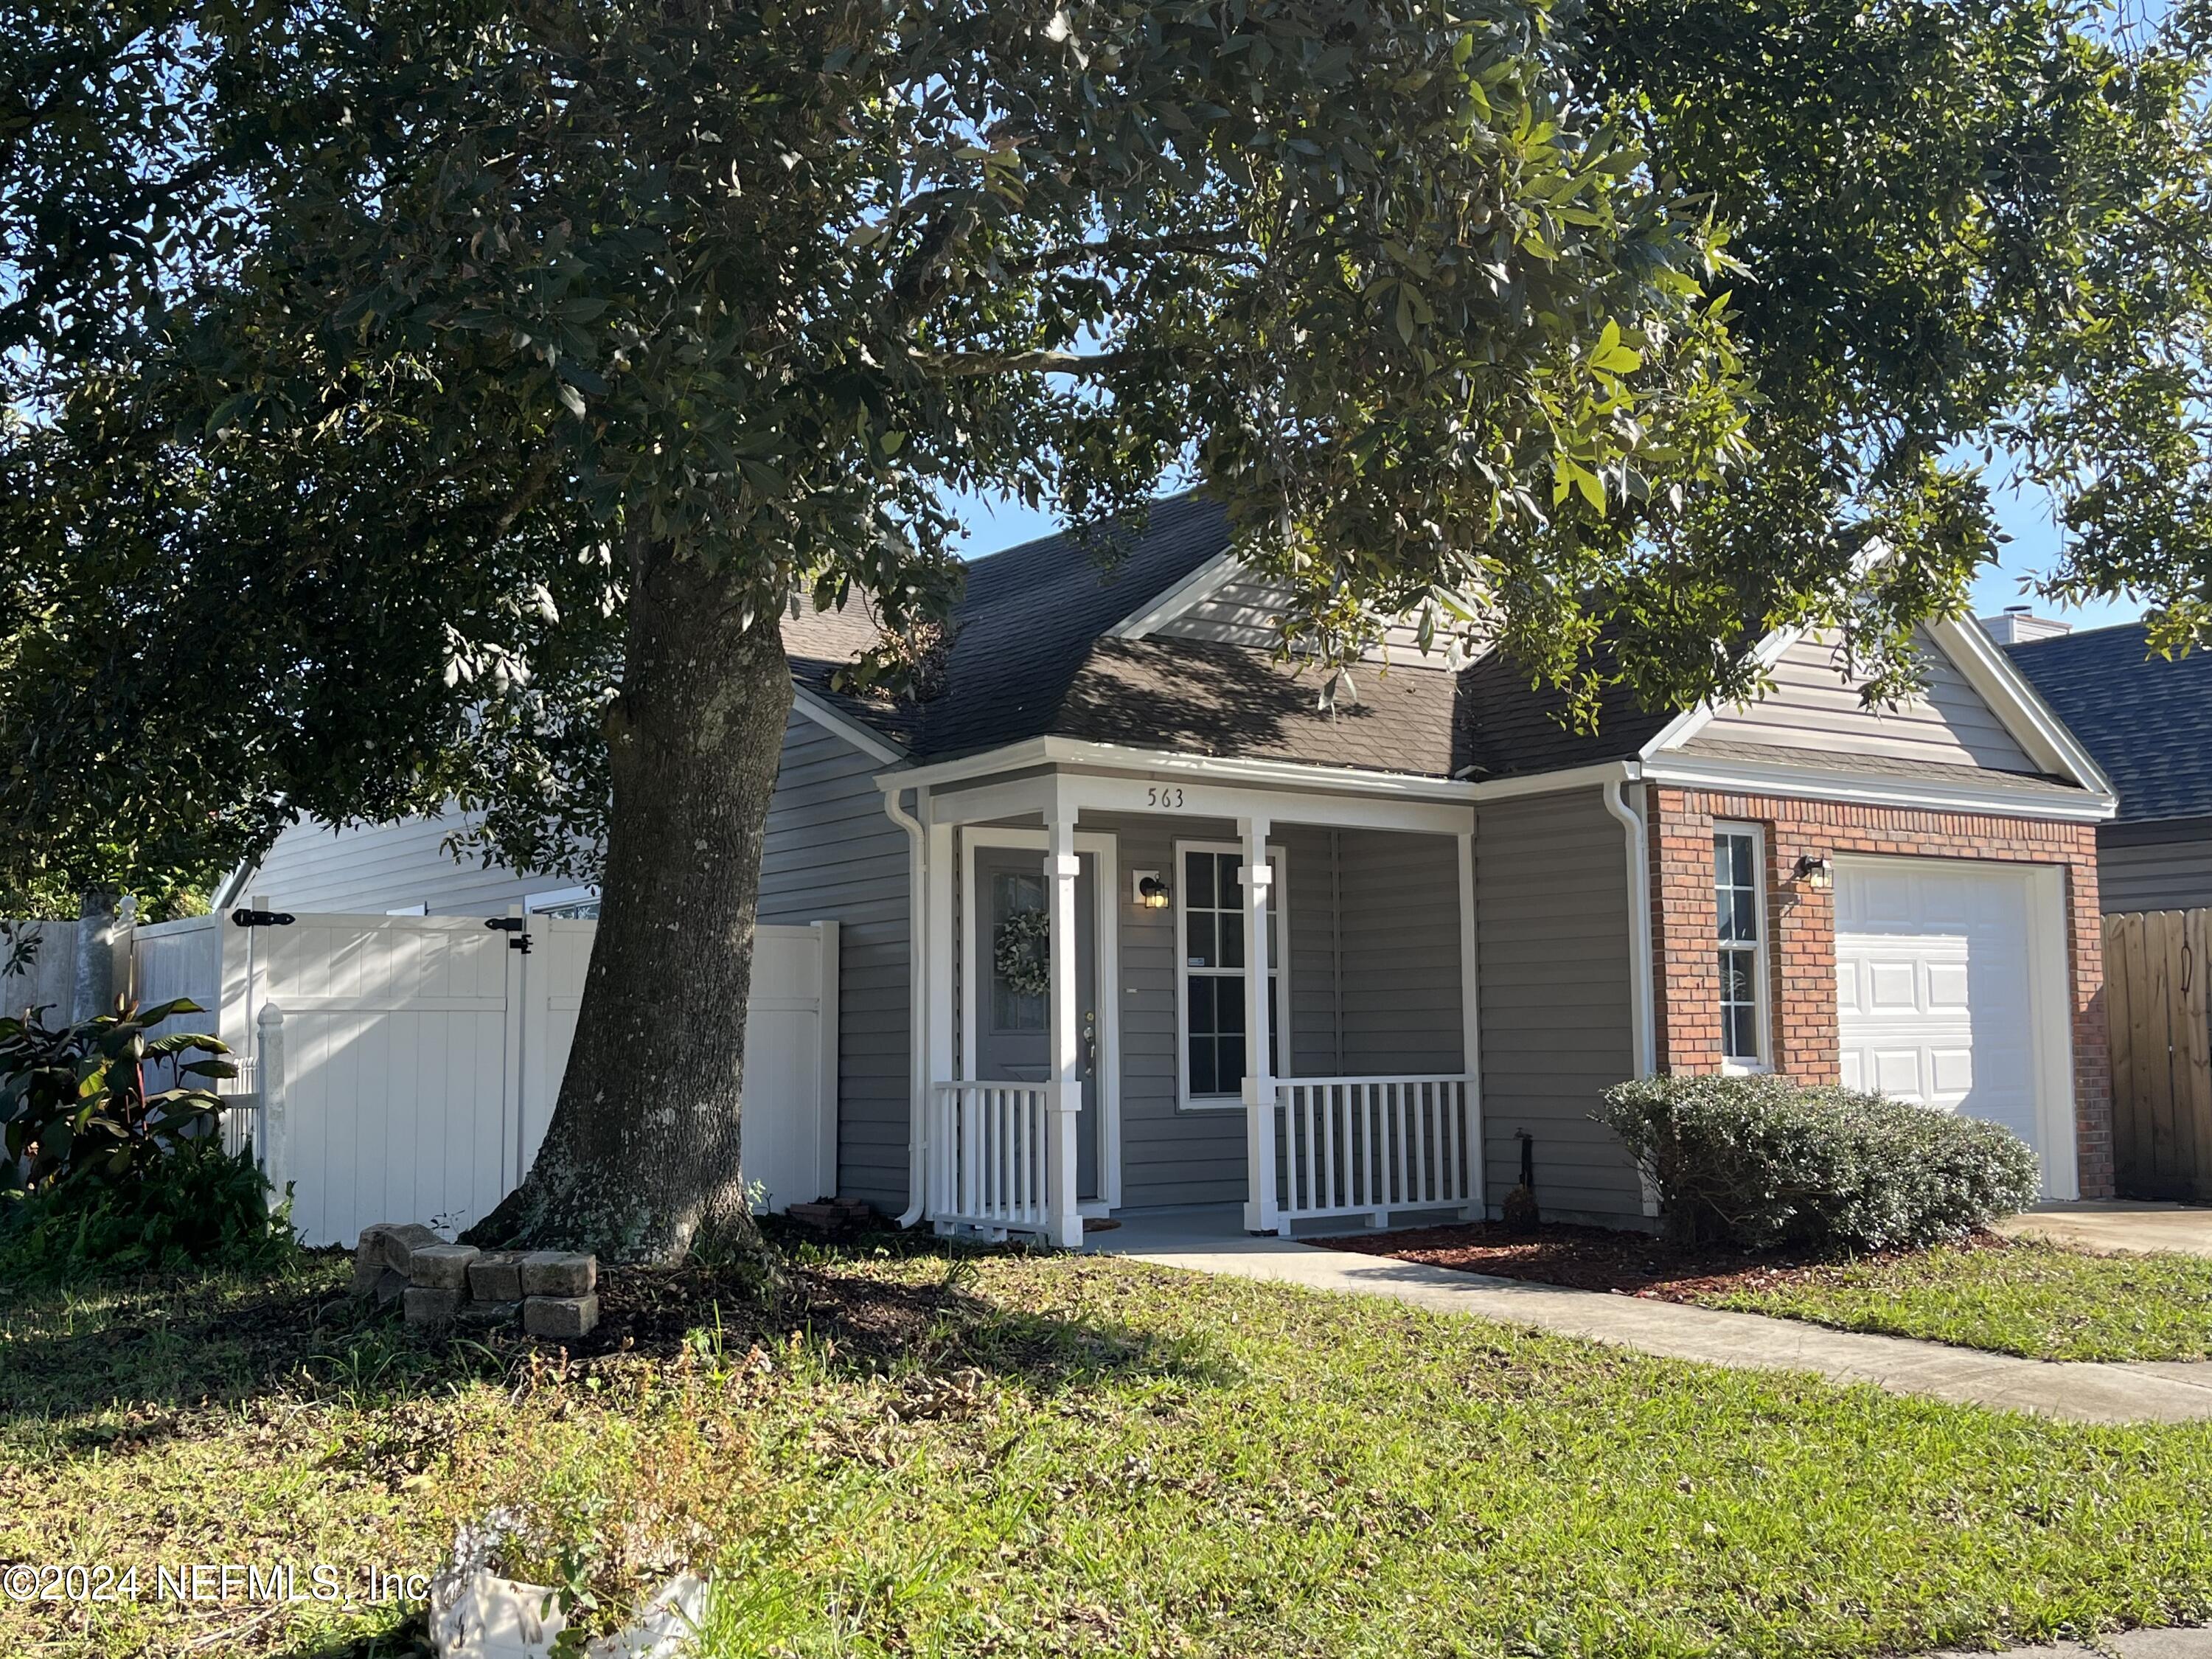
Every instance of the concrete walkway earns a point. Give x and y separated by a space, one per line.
2177 1643
2117 1224
2144 1393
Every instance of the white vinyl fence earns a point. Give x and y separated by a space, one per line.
403 1068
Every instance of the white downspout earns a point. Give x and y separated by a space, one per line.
1639 945
917 917
1639 925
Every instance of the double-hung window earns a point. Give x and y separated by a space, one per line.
1209 953
1739 914
574 903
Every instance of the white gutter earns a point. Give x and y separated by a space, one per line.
917 873
1727 775
1552 783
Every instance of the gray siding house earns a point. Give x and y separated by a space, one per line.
1130 922
2148 721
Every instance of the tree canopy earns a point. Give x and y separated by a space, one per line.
421 402
1971 226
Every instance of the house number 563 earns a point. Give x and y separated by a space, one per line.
1168 800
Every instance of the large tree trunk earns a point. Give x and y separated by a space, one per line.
640 1159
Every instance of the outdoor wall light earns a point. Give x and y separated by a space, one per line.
1817 873
1148 890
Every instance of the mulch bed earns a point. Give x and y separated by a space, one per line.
1600 1259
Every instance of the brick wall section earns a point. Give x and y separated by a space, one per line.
1801 931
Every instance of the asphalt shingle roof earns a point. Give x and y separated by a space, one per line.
1508 728
1029 658
1231 700
1024 627
2147 720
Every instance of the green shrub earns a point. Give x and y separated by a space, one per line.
109 1176
1762 1162
197 1206
73 1097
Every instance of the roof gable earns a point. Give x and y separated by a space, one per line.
1227 605
1815 704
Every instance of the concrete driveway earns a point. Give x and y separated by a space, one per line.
2117 1224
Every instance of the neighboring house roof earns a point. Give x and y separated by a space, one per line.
2148 720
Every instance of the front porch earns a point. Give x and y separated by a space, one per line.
1131 1063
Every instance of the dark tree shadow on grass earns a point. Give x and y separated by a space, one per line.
122 1366
409 1639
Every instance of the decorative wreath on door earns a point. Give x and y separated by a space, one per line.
1021 952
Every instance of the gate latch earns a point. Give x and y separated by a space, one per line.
243 917
514 925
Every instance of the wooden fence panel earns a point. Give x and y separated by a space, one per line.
2159 1016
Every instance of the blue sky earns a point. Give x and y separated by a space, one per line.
2032 552
997 523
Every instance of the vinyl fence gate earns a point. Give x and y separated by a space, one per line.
403 1068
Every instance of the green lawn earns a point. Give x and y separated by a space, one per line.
2029 1298
1054 1456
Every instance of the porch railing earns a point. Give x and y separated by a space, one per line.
1354 1145
987 1152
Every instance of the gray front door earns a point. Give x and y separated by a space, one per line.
1014 1035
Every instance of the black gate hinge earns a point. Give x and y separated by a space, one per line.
514 925
243 917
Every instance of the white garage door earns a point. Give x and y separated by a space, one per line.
1943 988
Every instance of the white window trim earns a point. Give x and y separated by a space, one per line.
1279 862
552 896
1761 986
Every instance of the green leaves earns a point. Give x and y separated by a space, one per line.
73 1099
1634 325
1609 356
1963 225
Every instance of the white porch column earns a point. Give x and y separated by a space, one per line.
941 924
1470 997
1259 1210
1061 867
